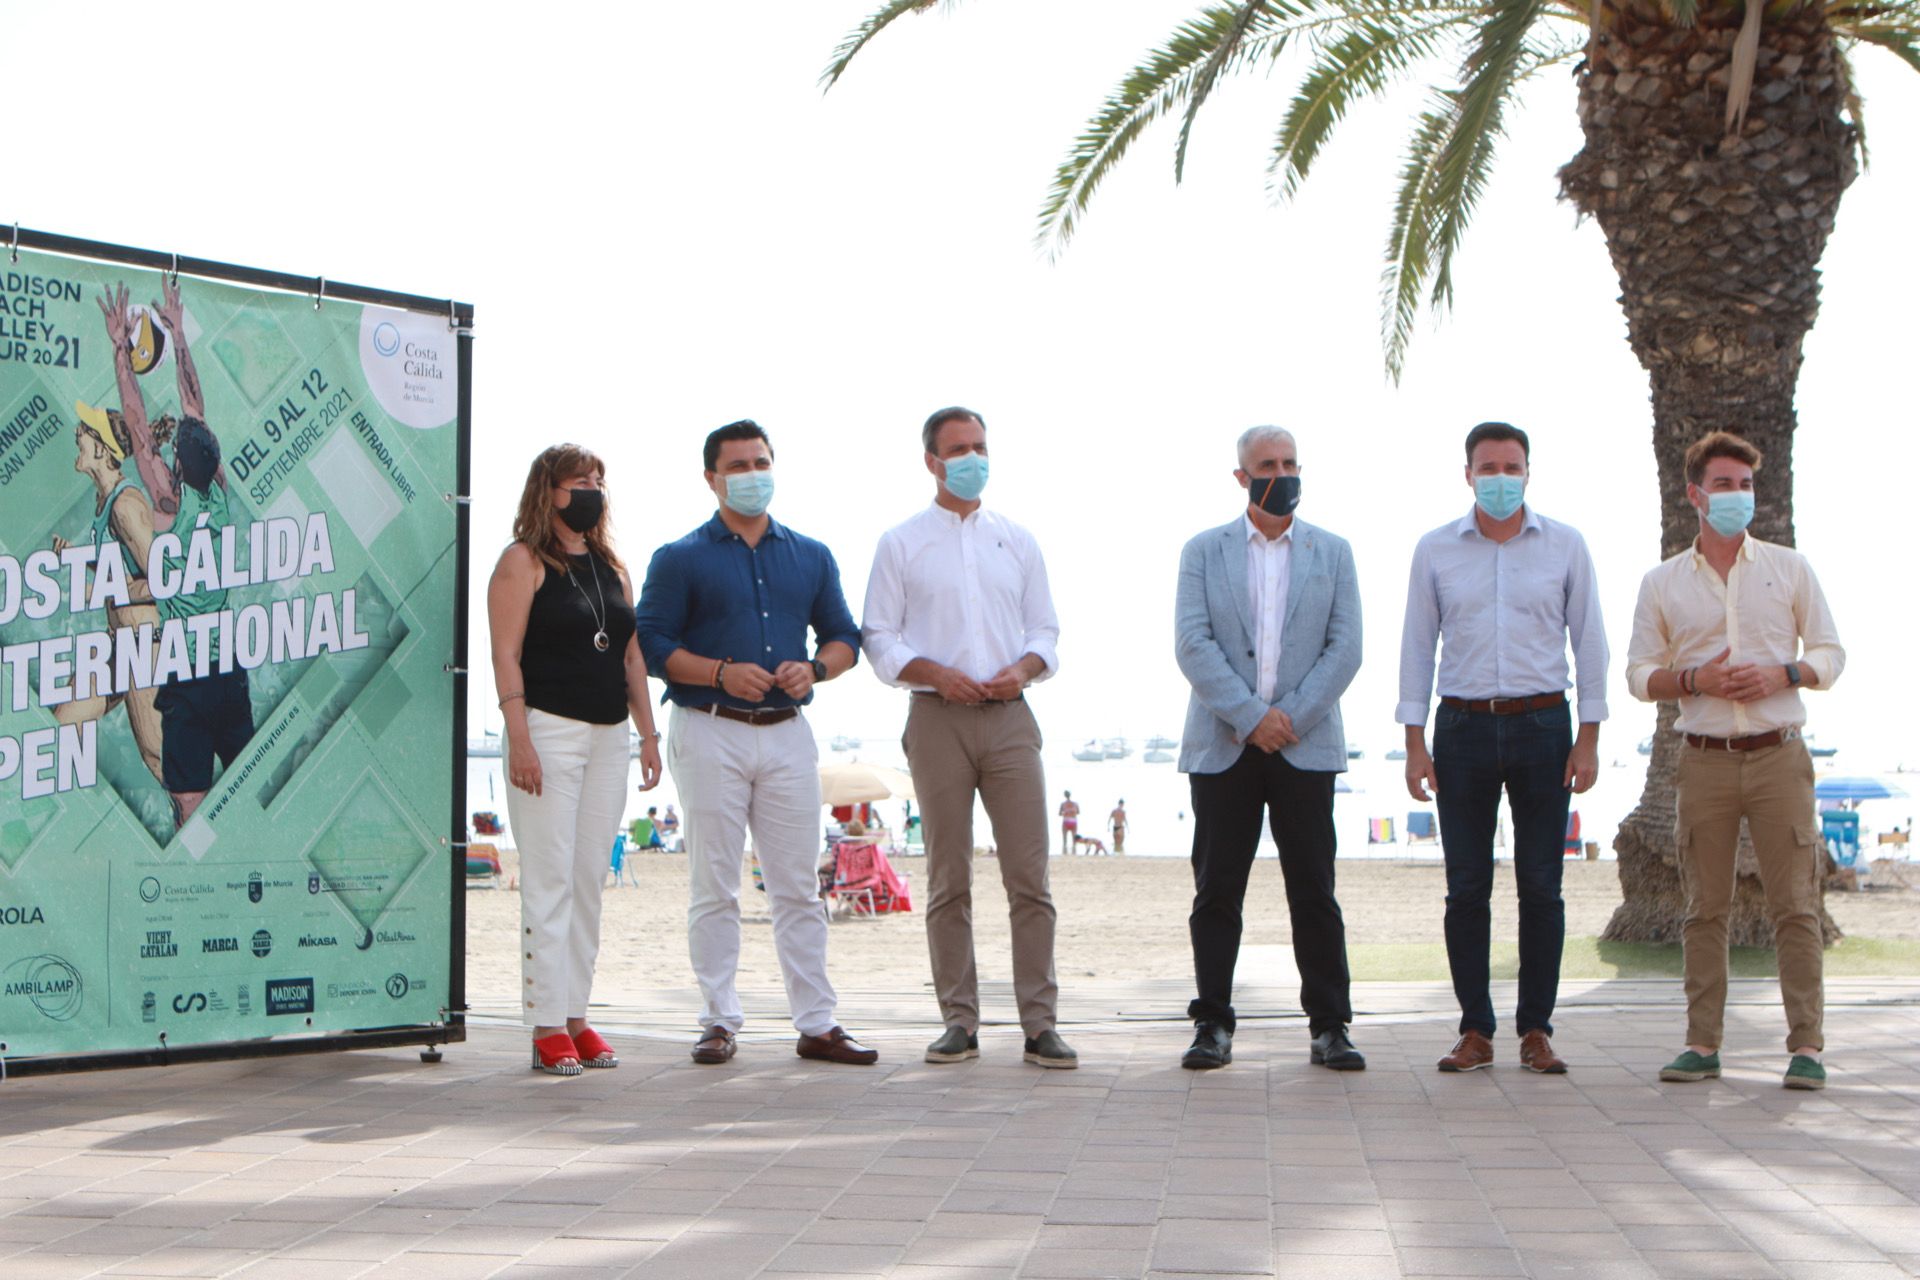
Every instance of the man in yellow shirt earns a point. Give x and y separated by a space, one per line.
1733 628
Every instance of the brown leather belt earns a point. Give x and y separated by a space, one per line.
1753 742
759 719
984 702
1507 706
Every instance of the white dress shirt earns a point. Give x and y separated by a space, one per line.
1504 614
968 592
1269 575
1768 607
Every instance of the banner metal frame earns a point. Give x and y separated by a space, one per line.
459 317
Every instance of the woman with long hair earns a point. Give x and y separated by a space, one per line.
570 675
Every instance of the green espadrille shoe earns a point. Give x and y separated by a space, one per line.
1805 1073
1691 1066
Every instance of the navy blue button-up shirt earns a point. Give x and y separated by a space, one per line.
711 594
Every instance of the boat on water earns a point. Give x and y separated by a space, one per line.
1354 753
484 747
1115 749
844 743
1646 747
1817 751
1160 742
1397 754
1158 757
1090 752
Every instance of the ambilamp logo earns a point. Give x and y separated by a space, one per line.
47 982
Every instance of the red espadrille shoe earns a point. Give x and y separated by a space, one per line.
594 1051
556 1055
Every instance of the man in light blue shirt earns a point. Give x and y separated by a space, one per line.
1505 591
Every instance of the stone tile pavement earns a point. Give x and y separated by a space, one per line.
374 1164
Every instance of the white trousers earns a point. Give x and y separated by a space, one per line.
733 778
565 837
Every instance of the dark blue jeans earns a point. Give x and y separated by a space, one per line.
1475 756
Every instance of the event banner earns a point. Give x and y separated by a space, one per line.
227 586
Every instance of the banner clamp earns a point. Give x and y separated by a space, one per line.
458 499
16 242
319 291
452 670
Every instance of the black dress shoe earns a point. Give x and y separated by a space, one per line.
1212 1047
1333 1049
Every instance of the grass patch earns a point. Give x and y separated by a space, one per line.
1590 958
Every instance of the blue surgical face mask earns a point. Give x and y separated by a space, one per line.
1729 513
1499 496
750 493
967 476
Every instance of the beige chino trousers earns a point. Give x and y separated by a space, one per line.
993 751
1773 789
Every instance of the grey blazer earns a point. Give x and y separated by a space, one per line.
1214 640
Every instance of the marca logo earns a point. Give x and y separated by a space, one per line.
159 945
218 946
262 943
289 995
21 915
48 983
318 940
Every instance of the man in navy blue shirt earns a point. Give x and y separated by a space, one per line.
724 614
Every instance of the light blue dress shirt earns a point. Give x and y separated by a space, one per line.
1504 614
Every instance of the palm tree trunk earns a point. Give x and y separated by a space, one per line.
1716 241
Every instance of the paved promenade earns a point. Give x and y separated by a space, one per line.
374 1164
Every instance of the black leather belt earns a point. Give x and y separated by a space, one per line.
984 702
1507 706
759 719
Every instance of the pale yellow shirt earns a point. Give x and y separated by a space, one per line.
1769 610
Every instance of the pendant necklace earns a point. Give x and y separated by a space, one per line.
600 640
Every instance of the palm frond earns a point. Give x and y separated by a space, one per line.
858 38
1903 43
1166 77
1499 54
1364 62
1233 28
1410 239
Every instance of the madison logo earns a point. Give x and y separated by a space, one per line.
254 887
159 945
48 983
21 915
262 943
289 995
218 946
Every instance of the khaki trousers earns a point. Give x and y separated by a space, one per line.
992 750
1773 790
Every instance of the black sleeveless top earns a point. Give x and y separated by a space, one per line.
564 674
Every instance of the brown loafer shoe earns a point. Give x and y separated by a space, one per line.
1536 1054
715 1047
836 1046
1472 1052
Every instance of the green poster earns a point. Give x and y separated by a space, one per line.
227 585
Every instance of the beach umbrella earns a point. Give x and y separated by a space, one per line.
858 783
1855 789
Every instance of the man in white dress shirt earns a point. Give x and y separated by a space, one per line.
1504 590
1733 628
958 611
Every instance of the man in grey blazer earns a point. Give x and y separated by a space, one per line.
1267 631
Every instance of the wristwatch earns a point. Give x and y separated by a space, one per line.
819 670
1793 674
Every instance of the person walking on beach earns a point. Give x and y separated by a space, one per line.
1069 824
1267 631
570 676
1117 824
724 615
1504 591
958 611
1733 628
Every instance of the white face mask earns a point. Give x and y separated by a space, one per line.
750 493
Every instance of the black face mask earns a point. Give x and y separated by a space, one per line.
583 510
1277 496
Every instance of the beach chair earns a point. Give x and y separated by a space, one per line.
1422 829
1380 831
1573 834
856 876
621 871
483 866
1841 831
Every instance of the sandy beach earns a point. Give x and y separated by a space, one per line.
1120 918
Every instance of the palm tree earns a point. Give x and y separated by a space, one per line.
1719 137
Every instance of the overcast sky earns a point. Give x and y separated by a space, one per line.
665 226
